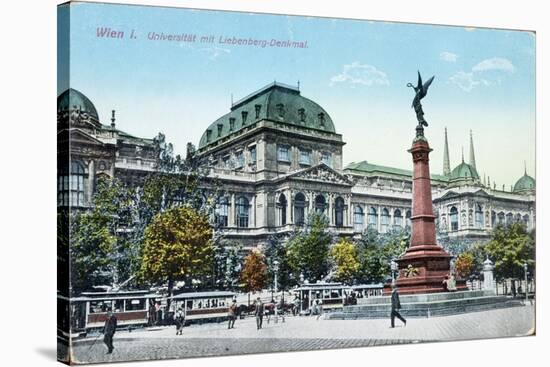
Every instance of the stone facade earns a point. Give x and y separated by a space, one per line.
278 157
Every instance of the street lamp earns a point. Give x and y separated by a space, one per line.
394 268
525 272
275 270
301 298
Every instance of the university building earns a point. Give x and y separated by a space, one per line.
278 157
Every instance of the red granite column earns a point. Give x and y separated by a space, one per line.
425 264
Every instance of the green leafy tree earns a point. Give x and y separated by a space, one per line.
177 246
276 251
100 255
228 260
344 254
377 250
509 248
308 250
253 273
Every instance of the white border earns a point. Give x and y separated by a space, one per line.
27 181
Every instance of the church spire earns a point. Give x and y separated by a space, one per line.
472 155
446 162
462 154
525 168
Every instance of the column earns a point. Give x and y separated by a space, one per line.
91 180
253 214
289 212
379 221
349 212
392 211
331 221
231 218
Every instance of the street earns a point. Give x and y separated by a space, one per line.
302 333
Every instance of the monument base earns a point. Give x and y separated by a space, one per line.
423 269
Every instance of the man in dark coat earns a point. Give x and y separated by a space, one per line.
109 331
395 306
232 314
259 313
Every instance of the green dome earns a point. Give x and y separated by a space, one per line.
72 99
525 183
277 102
464 170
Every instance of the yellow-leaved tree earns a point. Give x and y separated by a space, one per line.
344 254
178 244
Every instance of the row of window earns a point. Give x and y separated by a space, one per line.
239 160
283 155
496 219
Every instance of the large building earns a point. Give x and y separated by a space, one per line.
278 157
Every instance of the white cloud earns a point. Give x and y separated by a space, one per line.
357 73
487 72
215 52
448 56
464 81
495 63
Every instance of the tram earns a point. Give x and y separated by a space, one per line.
199 307
332 296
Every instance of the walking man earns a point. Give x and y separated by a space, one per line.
109 330
395 306
179 318
232 314
259 313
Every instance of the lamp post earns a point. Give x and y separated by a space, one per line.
301 298
525 289
275 270
394 269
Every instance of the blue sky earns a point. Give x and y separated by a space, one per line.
356 70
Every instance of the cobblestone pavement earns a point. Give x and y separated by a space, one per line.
303 333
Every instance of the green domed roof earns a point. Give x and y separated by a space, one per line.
525 183
464 170
276 101
72 99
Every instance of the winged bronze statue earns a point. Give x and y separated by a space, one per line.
421 90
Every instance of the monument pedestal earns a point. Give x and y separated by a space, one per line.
425 264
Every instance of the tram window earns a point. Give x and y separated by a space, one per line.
99 306
135 304
119 305
334 293
189 305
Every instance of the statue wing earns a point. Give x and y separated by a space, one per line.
419 86
427 85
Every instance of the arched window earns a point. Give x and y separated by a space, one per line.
479 216
320 204
373 218
509 218
222 212
517 218
339 212
384 220
501 218
70 185
242 212
526 220
358 218
408 218
493 218
299 208
397 218
281 208
454 219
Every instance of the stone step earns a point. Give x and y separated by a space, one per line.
426 309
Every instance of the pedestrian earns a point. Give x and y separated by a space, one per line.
109 331
259 313
282 309
296 309
318 304
395 307
232 314
179 318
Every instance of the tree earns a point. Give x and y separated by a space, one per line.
276 250
308 250
464 264
377 250
177 246
98 254
227 265
254 273
510 248
344 254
